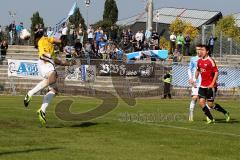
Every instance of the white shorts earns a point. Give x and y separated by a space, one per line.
45 68
195 91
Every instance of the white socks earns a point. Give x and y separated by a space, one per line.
41 85
46 100
191 109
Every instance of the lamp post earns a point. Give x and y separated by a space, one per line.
12 14
149 14
87 2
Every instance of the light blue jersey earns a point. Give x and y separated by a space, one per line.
192 70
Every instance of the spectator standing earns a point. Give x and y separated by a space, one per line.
1 34
80 33
98 35
90 33
211 43
139 36
64 36
180 42
4 48
148 35
19 29
12 32
105 37
50 32
129 34
38 32
172 43
187 40
155 40
113 34
71 35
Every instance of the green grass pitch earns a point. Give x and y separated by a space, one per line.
152 130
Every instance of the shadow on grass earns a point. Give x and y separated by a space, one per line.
84 124
232 121
81 125
28 151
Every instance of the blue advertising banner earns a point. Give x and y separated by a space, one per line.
229 77
23 68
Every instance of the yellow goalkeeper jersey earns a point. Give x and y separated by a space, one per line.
46 47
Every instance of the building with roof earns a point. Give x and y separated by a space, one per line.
163 17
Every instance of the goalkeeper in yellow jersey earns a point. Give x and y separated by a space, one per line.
47 61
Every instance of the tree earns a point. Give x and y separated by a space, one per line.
164 43
227 26
36 19
105 24
110 11
190 30
179 26
77 19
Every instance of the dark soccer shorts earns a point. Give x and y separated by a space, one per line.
207 93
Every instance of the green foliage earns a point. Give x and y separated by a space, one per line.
36 19
227 26
110 11
105 24
77 19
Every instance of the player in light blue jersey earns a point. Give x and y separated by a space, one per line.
195 83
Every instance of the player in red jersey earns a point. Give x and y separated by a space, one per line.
206 66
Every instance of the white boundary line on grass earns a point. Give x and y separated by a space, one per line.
189 129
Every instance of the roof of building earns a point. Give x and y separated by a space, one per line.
167 15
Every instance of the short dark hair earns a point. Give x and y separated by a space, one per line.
199 45
206 47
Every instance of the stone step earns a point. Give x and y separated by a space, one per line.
20 47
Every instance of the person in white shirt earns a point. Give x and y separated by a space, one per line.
64 34
90 33
139 36
173 42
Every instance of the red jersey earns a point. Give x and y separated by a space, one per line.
207 68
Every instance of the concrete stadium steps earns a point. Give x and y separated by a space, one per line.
22 55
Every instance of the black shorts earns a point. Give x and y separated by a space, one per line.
207 93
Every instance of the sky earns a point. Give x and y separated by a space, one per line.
53 11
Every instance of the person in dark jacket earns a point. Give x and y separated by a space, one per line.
187 45
4 48
167 79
